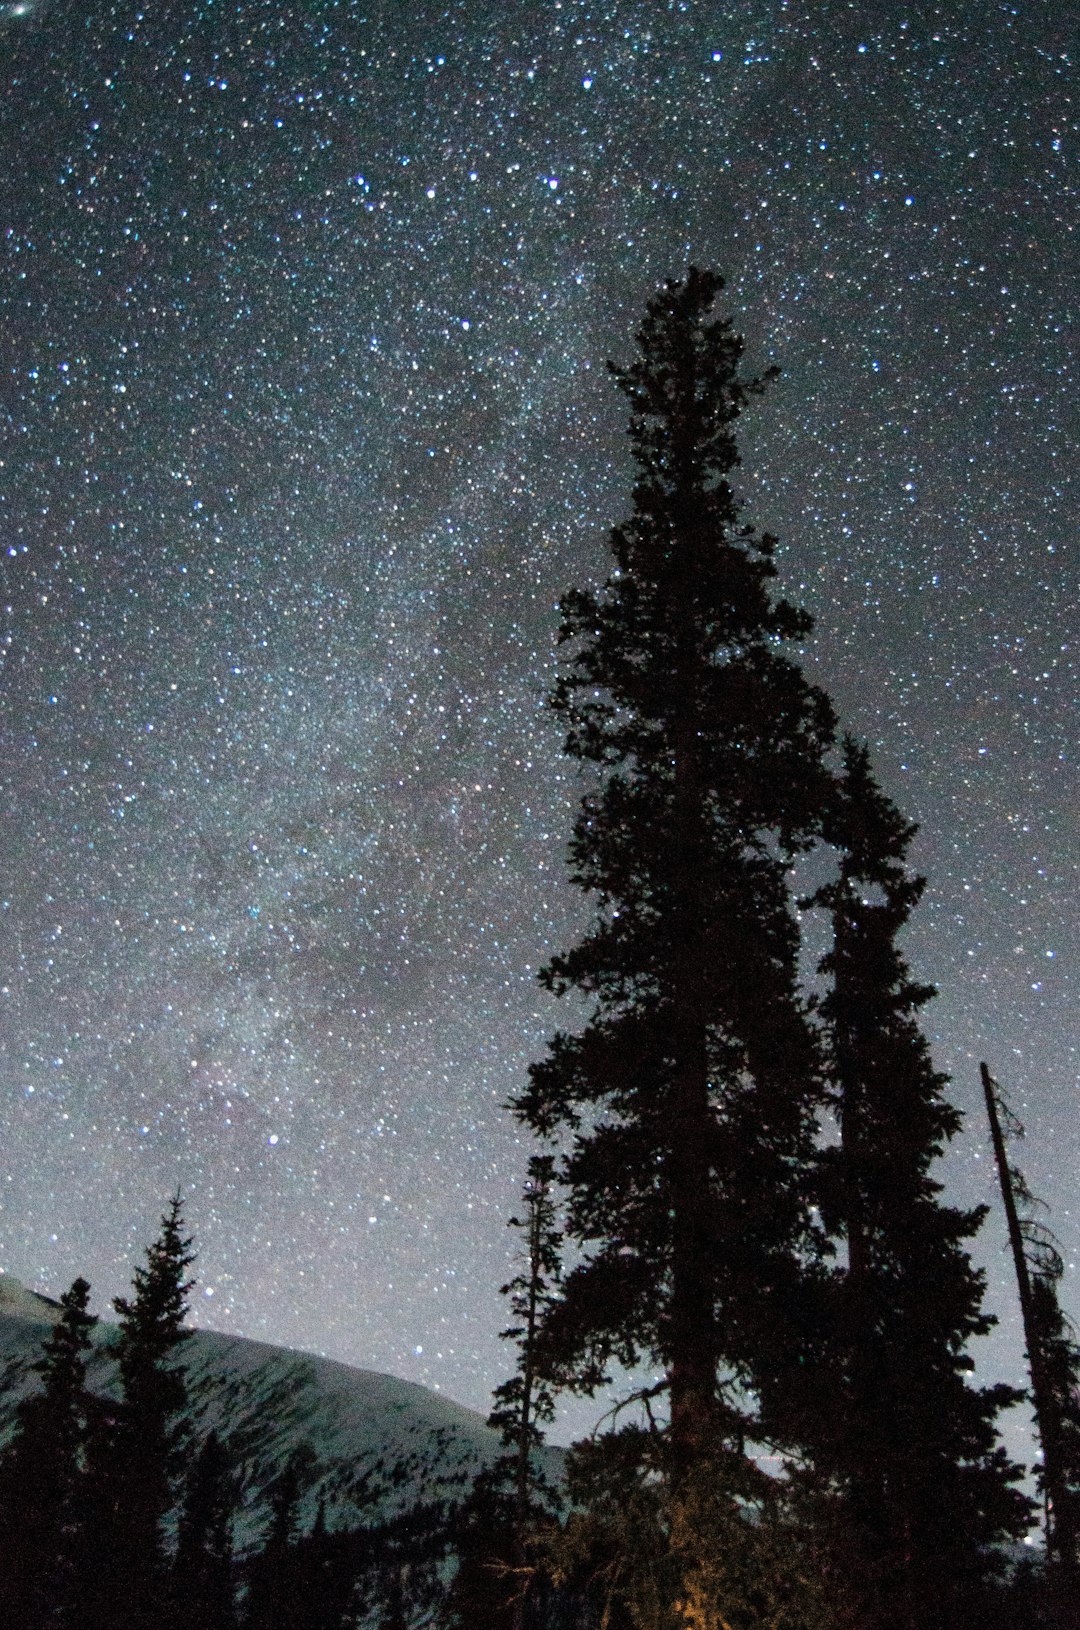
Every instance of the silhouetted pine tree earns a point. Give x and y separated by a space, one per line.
137 1443
1060 1355
691 1093
202 1589
926 1491
41 1476
1053 1362
298 1581
1056 1336
527 1399
271 1593
494 1575
485 1587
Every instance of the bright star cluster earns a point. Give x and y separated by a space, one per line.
305 428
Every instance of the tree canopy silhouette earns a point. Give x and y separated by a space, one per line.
691 1103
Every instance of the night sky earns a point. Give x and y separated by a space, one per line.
304 429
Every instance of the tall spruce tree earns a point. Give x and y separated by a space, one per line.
691 1093
925 1490
137 1447
42 1473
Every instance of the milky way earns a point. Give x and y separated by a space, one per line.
305 429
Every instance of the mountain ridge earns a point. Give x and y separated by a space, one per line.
366 1447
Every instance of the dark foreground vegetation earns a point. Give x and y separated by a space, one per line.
732 1209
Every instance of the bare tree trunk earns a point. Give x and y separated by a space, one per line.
1046 1412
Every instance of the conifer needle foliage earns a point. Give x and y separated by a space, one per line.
816 1301
691 1092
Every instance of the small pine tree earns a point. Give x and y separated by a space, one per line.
202 1587
487 1581
495 1576
272 1592
42 1473
527 1399
926 1491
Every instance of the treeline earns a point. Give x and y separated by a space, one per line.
732 1214
115 1515
87 1482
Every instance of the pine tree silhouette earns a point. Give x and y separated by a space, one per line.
691 1093
495 1576
202 1585
137 1445
527 1400
926 1490
272 1600
690 1102
1053 1362
42 1473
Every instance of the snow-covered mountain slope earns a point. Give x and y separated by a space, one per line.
16 1302
369 1445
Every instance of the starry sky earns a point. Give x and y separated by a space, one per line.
305 427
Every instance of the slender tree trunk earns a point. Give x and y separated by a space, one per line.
851 1114
692 1364
694 1343
528 1381
1046 1414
